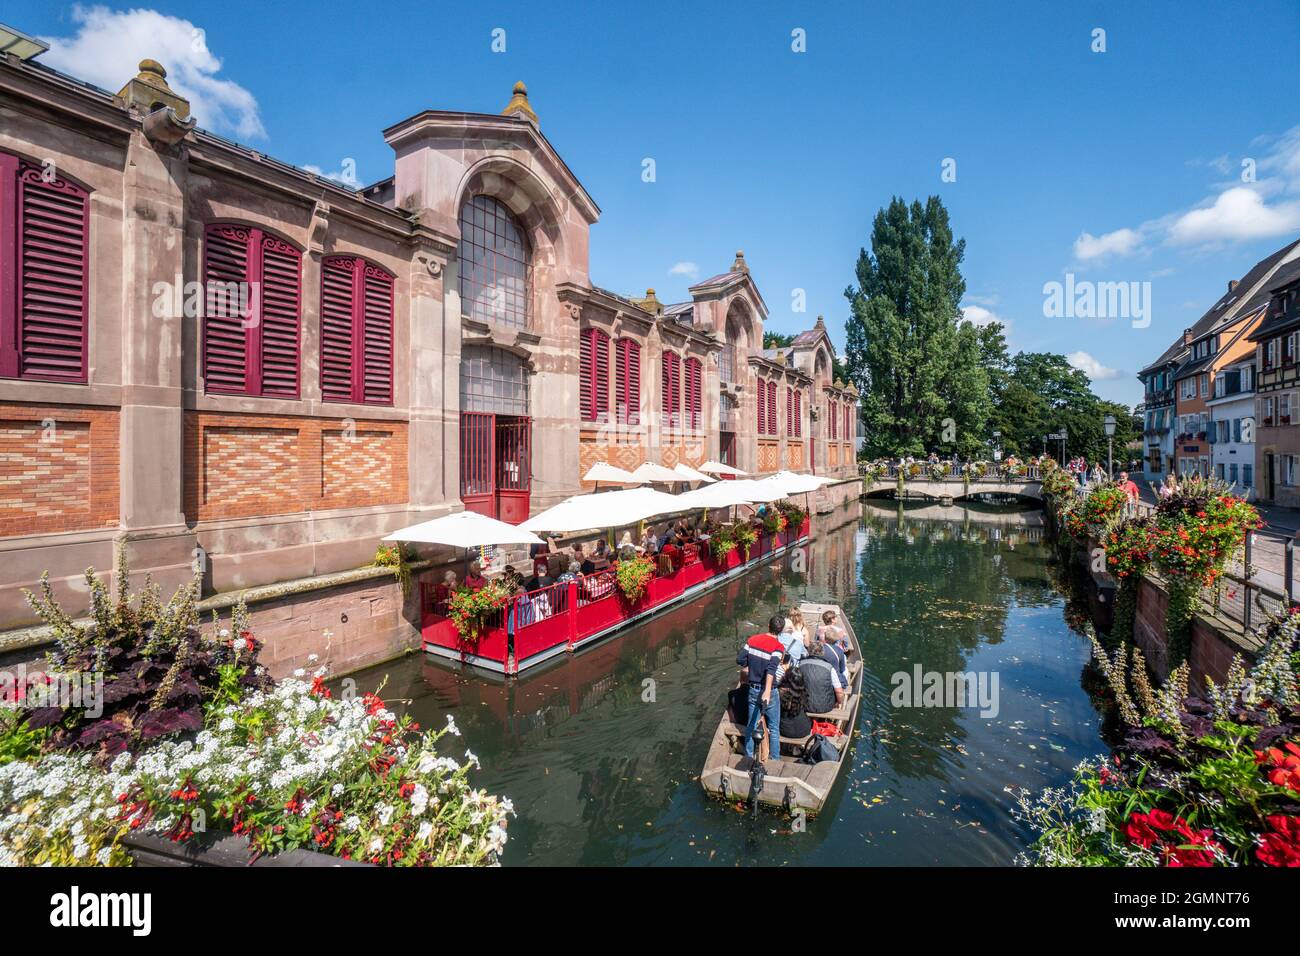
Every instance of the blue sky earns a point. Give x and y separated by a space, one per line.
1122 165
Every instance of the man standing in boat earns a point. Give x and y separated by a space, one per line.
760 656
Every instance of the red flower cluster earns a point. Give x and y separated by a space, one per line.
318 688
1281 846
1172 837
1282 766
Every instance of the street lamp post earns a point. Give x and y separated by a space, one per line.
1109 424
1063 435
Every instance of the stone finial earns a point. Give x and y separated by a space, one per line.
740 265
851 388
519 104
839 383
820 324
650 303
148 91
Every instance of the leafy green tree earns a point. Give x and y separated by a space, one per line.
919 375
777 340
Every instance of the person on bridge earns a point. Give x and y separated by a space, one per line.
1128 487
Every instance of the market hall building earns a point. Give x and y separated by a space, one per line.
212 356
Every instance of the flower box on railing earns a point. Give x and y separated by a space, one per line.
1268 420
1284 419
1200 436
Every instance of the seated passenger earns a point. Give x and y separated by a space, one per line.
474 579
822 680
793 644
795 721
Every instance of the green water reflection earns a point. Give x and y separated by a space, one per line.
600 775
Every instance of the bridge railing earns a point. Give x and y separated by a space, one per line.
950 471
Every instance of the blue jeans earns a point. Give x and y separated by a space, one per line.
773 714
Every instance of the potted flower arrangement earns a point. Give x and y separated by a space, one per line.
745 537
938 471
192 730
722 543
1102 509
634 576
774 522
1207 779
469 610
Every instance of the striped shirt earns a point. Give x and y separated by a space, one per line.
760 656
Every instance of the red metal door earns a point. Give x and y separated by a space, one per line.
514 466
478 462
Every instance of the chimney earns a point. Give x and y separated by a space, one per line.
1232 285
1187 336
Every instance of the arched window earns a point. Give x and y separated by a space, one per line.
627 387
356 331
493 263
694 396
492 380
593 378
252 285
44 288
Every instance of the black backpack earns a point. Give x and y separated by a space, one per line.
738 698
817 749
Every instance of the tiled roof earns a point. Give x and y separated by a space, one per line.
1286 275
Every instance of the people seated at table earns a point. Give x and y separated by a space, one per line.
443 592
474 579
585 564
672 551
600 556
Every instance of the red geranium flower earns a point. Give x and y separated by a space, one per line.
1281 846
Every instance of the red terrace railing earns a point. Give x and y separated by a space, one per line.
568 612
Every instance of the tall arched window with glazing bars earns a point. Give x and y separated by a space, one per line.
493 262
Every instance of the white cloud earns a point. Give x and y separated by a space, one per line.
109 45
1091 367
1121 242
689 269
1236 214
978 315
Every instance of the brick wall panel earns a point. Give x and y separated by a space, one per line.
58 469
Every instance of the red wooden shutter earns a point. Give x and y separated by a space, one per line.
52 229
672 381
281 278
337 316
586 404
601 351
225 350
251 318
761 400
798 413
771 408
693 369
789 410
628 383
377 328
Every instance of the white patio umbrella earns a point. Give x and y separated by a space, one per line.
649 471
603 471
608 509
721 494
464 529
793 483
690 474
718 468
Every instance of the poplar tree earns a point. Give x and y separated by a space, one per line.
917 366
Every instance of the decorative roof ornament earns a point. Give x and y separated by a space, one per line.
651 303
780 358
839 383
851 388
149 91
519 104
820 324
740 265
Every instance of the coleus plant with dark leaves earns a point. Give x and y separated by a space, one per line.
157 668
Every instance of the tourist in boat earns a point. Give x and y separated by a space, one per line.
760 656
799 629
791 642
833 636
822 679
795 721
474 579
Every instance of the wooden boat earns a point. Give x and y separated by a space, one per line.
787 783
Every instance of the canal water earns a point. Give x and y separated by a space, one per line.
601 752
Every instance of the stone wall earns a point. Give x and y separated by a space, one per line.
1212 647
